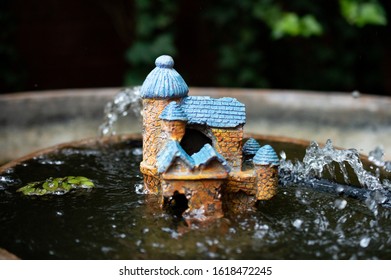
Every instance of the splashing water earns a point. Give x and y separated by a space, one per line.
377 158
127 100
318 160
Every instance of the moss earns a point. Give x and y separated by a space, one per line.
56 186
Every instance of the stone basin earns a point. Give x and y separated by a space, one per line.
34 120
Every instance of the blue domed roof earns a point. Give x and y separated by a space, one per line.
164 82
266 156
251 147
173 112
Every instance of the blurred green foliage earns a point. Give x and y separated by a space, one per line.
304 44
318 45
153 35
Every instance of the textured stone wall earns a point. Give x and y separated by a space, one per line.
153 138
242 183
229 145
152 108
267 181
174 129
204 196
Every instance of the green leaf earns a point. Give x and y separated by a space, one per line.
310 26
288 24
362 13
56 185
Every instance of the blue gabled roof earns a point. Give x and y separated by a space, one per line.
206 155
173 112
169 153
251 147
222 112
164 81
266 156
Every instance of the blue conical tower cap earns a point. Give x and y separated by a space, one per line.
266 156
164 82
173 112
251 147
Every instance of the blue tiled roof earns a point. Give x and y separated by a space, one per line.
266 156
164 81
173 112
251 147
222 112
206 155
169 153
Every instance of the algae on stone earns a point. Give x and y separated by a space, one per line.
56 186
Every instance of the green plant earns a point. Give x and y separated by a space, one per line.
154 34
266 43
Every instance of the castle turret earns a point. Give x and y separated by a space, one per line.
162 86
266 164
174 121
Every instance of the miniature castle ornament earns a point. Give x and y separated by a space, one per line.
193 148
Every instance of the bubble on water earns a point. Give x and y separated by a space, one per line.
106 249
137 151
340 203
364 242
59 213
139 188
297 223
260 231
173 233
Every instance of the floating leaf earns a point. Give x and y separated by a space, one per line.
56 185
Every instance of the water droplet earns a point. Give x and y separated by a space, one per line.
139 188
106 249
356 94
340 203
297 223
364 242
137 151
387 166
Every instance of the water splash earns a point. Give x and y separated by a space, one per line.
125 101
377 158
319 160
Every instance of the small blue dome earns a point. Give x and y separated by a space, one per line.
251 147
173 112
164 82
266 156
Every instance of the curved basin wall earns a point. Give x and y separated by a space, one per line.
33 120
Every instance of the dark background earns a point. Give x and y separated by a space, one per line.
55 44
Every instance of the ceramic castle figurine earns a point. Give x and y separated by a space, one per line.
193 149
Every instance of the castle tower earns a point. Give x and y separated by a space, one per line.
266 164
162 86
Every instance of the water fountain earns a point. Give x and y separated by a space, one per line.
117 219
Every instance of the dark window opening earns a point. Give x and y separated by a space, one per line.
177 204
194 140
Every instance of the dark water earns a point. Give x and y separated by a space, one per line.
117 221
